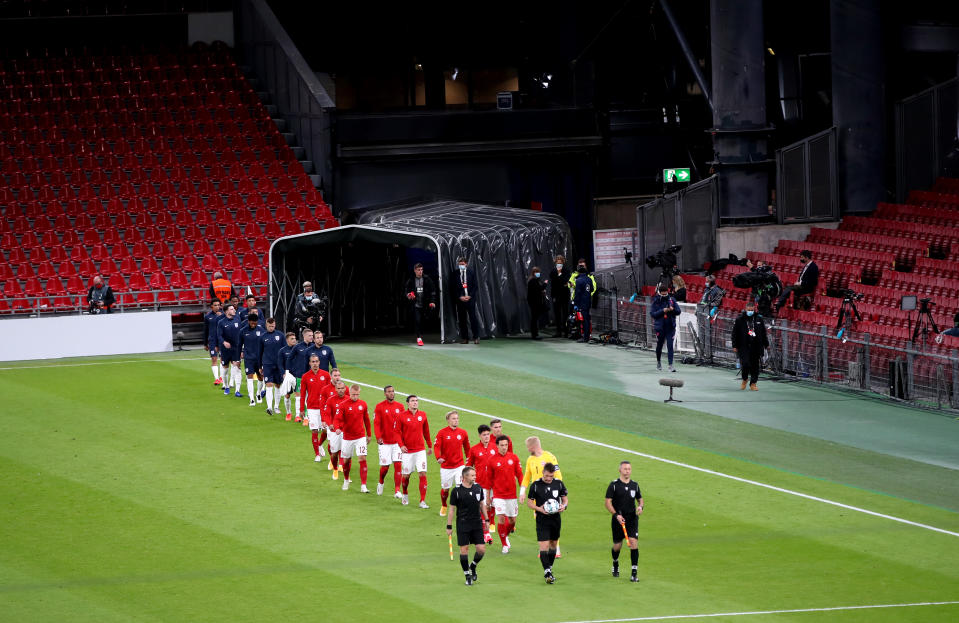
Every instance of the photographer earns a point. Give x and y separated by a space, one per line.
99 297
763 282
309 309
749 342
421 292
807 282
664 310
954 331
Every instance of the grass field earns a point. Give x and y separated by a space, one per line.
133 490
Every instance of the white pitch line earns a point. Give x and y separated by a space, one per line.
102 363
792 611
687 466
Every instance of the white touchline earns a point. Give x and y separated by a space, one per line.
793 611
104 363
684 465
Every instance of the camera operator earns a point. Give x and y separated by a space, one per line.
954 331
807 282
664 310
765 287
308 309
749 342
99 297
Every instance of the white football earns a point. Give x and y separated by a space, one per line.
551 506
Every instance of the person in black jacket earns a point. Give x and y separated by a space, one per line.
536 299
559 291
100 297
749 342
807 282
421 291
664 311
464 288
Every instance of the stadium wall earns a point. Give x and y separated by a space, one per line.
81 336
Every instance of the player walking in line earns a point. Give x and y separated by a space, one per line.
327 360
352 421
229 332
468 510
270 345
299 363
496 431
329 393
624 501
415 442
250 337
479 458
209 338
332 407
385 416
544 494
538 458
311 402
283 362
505 473
451 445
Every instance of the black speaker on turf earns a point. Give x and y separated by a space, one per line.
898 381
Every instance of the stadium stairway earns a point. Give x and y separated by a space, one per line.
153 169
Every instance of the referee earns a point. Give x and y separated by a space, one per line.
548 487
468 505
625 501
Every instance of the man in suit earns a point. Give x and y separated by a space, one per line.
464 288
807 282
421 292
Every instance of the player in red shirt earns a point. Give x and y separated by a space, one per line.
479 457
352 421
331 408
387 439
311 402
327 417
451 444
496 431
414 433
506 473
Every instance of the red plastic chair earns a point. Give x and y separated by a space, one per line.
159 282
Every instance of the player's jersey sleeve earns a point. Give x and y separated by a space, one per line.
378 422
466 444
517 470
366 418
528 474
426 432
438 446
304 392
332 359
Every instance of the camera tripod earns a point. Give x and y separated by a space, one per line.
847 311
924 320
632 274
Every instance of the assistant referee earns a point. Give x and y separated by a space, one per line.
625 501
548 525
467 504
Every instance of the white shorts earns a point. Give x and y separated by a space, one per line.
449 477
389 453
506 508
414 461
335 439
348 446
314 417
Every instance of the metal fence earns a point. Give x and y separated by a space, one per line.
297 93
806 179
926 128
688 218
924 374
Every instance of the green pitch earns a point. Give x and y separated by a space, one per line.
132 489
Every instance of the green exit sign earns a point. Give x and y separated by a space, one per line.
675 175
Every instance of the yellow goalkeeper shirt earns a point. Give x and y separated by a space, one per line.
534 467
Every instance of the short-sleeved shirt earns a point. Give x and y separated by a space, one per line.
624 496
467 502
541 491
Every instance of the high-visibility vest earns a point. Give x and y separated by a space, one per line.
222 289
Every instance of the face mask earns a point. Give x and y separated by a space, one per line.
749 313
581 267
802 260
536 275
462 266
559 267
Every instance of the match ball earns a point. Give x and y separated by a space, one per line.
551 507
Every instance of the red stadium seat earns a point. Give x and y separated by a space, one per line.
159 282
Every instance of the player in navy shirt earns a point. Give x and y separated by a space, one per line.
209 338
250 337
271 343
229 332
283 363
299 362
325 353
249 308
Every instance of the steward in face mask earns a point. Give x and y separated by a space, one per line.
558 281
536 299
664 311
749 342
